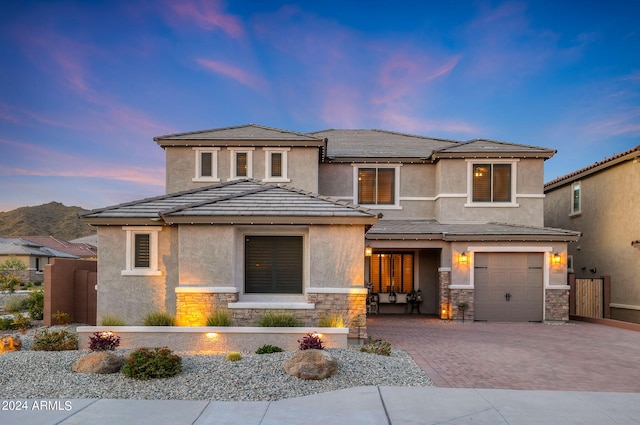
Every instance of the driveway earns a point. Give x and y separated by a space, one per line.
523 356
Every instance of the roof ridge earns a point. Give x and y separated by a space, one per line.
500 142
399 133
233 127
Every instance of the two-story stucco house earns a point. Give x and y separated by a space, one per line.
601 202
258 219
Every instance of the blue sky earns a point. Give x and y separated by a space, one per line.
86 85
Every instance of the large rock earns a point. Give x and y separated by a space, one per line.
311 364
10 343
100 362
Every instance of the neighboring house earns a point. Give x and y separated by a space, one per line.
84 251
602 202
34 255
242 228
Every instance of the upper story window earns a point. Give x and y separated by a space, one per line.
377 185
276 165
141 251
492 183
576 199
241 163
206 164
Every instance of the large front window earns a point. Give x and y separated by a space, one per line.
376 186
391 271
491 182
273 264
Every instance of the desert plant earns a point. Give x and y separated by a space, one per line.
46 340
219 318
9 273
279 320
6 323
111 320
147 363
159 318
62 318
311 341
268 349
36 304
334 320
14 304
234 356
377 346
21 323
103 341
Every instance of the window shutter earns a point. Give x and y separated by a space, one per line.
276 164
481 183
142 242
501 183
366 186
273 264
205 164
407 273
386 185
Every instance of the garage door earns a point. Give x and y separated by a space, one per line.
508 287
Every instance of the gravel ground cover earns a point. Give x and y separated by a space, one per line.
257 377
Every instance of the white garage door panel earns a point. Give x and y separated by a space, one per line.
508 287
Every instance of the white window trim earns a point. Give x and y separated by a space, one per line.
214 165
514 180
232 164
152 270
573 213
267 165
396 204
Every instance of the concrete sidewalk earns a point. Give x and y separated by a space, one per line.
354 406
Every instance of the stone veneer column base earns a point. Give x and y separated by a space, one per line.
444 277
193 308
556 303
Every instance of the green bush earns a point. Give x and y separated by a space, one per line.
46 340
234 356
62 317
159 318
36 304
279 320
268 349
6 323
21 322
14 304
331 321
219 318
377 346
112 320
147 363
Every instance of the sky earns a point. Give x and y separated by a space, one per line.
86 85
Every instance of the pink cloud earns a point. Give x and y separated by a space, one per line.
405 123
207 14
233 72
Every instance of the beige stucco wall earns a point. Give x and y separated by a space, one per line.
132 297
333 264
205 255
609 221
302 168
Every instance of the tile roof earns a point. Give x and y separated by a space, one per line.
81 250
19 246
493 148
434 230
239 201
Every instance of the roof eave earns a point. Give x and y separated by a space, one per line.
493 155
163 143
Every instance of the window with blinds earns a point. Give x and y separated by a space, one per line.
206 169
241 164
276 164
575 199
273 264
142 250
376 186
391 271
491 183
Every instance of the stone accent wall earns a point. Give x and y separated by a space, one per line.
352 307
458 296
193 308
444 278
556 305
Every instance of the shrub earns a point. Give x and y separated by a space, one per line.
62 318
159 318
234 356
331 321
103 341
36 304
14 304
377 346
219 318
37 283
268 349
9 273
147 363
46 340
6 323
112 320
310 341
21 322
279 320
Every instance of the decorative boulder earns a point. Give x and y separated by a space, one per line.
100 362
311 364
10 343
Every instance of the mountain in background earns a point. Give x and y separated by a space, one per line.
52 219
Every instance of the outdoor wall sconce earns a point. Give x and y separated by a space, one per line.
464 258
368 251
556 258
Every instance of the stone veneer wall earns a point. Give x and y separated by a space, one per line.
459 296
193 308
353 308
556 305
444 278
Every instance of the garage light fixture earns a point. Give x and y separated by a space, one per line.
556 258
464 258
368 251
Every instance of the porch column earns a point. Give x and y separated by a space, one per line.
444 280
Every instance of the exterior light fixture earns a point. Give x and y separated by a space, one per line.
368 251
211 335
556 258
464 258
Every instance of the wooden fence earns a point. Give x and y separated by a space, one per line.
590 297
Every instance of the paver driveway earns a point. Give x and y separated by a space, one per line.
525 356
